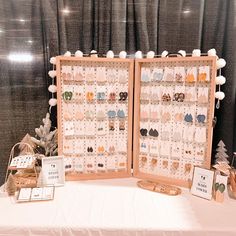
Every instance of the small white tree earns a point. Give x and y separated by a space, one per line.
221 155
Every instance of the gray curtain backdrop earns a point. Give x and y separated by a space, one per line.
42 28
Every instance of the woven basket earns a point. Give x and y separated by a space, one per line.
24 178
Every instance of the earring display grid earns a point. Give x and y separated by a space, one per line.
95 105
173 111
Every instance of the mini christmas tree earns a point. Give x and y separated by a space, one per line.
221 155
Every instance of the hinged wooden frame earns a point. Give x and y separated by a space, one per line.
126 64
172 62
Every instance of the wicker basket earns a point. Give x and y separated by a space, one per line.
26 177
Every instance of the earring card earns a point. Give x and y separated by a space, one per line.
173 110
95 104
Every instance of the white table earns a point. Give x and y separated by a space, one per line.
117 207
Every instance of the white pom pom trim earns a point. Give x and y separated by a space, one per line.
220 95
110 54
122 54
182 52
94 53
67 54
164 53
52 102
196 53
220 80
53 60
211 52
78 53
138 55
52 73
220 63
150 54
52 88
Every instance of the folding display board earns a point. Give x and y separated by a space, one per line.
95 105
174 108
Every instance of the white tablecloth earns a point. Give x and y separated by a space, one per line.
117 207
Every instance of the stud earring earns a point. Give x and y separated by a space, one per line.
187 168
79 115
112 96
101 115
67 95
122 125
89 96
154 162
123 96
157 76
111 114
143 132
121 114
190 78
78 77
201 118
188 118
100 96
165 164
111 126
166 97
202 77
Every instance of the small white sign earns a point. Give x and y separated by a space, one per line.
53 171
35 194
202 182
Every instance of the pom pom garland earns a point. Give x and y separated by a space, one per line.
164 53
150 54
52 73
53 60
67 54
52 102
52 88
138 55
182 52
122 54
78 53
220 63
110 54
196 53
220 80
211 52
220 95
93 53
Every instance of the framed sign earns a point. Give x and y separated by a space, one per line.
202 182
53 171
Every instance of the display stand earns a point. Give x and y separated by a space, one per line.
173 110
23 167
95 101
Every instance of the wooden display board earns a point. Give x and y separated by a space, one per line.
95 104
174 108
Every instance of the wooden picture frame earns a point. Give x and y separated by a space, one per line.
202 182
53 171
167 168
101 165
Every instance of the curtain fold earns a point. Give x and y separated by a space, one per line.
45 28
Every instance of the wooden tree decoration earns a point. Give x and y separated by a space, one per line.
47 139
221 155
10 185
